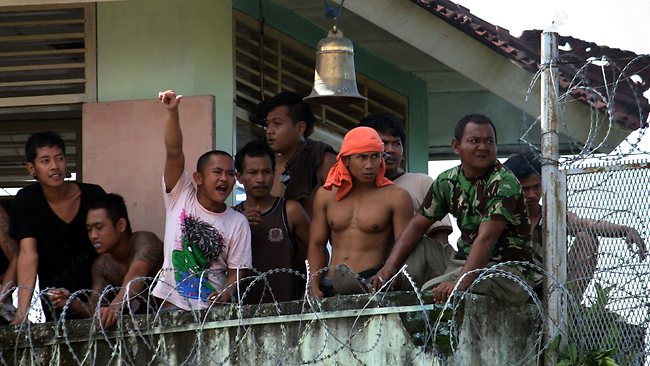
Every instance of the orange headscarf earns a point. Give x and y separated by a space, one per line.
357 141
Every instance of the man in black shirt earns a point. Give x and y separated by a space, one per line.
49 222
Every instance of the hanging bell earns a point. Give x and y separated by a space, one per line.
334 78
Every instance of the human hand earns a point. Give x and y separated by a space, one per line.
107 315
254 216
316 293
218 297
385 273
19 318
632 238
58 297
170 99
442 292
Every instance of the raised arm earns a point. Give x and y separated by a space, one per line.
27 268
318 236
479 256
608 229
174 158
147 260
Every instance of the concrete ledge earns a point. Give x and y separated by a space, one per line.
394 328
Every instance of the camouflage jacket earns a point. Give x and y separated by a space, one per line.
495 195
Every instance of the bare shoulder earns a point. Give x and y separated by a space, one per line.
293 207
148 247
395 192
323 195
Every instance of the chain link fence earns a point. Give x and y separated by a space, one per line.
608 272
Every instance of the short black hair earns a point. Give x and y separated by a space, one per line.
203 159
42 139
115 208
479 119
253 149
299 110
524 164
386 123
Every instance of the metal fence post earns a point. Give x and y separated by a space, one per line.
553 196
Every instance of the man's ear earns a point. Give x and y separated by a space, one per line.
301 127
345 160
121 225
238 176
454 145
198 179
30 169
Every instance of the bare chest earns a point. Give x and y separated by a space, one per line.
368 214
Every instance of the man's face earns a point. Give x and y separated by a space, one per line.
476 149
103 234
282 133
395 150
257 176
532 187
216 179
49 167
364 167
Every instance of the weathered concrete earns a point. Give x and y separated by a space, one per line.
392 330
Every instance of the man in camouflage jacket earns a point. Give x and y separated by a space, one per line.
490 210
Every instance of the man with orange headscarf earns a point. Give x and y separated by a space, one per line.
360 212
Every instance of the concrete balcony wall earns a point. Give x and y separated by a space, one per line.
393 329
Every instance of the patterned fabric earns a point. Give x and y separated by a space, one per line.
495 195
200 246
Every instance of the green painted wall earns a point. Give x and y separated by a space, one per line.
144 46
451 107
366 63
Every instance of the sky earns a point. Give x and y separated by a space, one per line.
620 24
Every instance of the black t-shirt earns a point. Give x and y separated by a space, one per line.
65 254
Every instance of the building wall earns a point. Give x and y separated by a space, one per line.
365 62
146 46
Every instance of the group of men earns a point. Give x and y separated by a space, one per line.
300 196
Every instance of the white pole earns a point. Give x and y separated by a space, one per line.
553 195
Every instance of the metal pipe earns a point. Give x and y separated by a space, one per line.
553 196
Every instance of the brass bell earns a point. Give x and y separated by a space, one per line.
334 78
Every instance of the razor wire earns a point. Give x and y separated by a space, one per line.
141 332
608 209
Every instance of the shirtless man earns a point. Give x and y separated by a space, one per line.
10 250
359 210
49 223
433 252
125 260
279 227
302 164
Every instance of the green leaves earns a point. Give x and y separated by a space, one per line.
568 355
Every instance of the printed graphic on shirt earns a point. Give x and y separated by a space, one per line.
201 245
275 235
